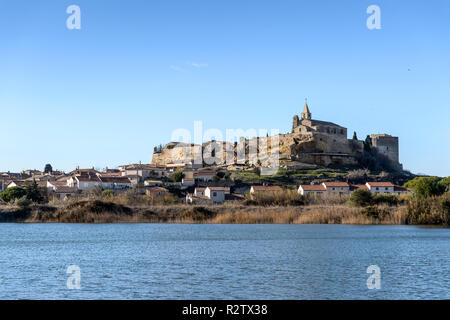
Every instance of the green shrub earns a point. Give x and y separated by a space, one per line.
107 194
361 198
13 193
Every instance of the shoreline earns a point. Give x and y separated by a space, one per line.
96 211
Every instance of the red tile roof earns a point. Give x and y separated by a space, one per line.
336 184
219 189
359 186
111 179
311 187
380 184
266 188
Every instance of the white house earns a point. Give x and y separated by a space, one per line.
338 188
309 189
115 183
215 194
84 182
380 187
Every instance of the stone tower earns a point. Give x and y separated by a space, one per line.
306 115
387 145
295 122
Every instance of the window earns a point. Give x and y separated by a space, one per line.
377 188
214 194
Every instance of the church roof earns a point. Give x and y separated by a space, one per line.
324 123
306 109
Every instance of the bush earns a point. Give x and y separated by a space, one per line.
13 193
361 198
385 198
107 194
23 202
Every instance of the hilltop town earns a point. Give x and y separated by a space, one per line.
316 157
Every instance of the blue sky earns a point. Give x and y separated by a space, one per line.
105 95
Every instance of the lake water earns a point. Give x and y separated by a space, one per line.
181 261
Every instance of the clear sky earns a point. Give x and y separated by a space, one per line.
106 94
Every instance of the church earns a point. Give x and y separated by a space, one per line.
307 124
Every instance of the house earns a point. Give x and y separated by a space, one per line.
64 192
187 182
16 183
156 191
398 190
139 172
115 183
153 183
338 188
199 192
204 176
358 186
215 194
84 182
52 185
310 189
380 187
265 189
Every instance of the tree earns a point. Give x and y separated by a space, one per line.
13 193
361 197
368 144
178 175
445 182
48 168
425 187
34 193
